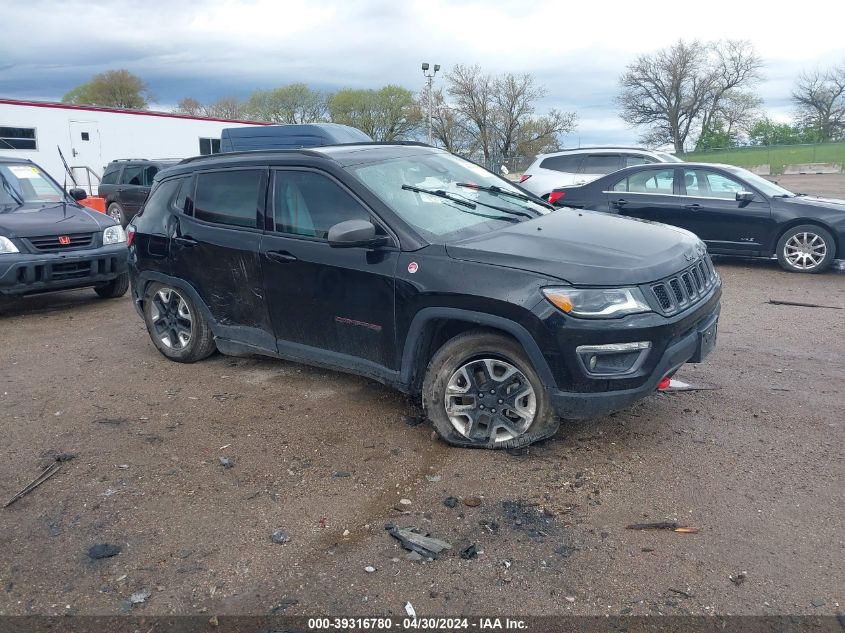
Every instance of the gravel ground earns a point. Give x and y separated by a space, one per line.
756 464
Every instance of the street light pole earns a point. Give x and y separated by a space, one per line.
430 78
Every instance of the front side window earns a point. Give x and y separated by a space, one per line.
17 138
703 183
649 181
25 183
446 198
228 197
309 204
602 164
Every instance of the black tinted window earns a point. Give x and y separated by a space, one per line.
601 164
228 197
209 146
567 163
110 177
184 201
17 138
161 197
132 175
148 175
637 159
307 203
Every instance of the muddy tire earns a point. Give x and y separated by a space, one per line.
115 288
481 391
806 249
176 326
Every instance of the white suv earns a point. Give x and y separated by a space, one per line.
579 166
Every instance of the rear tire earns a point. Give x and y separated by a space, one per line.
115 288
176 326
115 212
807 248
481 391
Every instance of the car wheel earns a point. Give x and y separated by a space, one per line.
806 249
115 288
177 328
480 390
115 212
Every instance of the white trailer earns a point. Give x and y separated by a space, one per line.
90 137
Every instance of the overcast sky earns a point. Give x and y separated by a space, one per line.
213 48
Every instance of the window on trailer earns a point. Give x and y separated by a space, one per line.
17 138
209 146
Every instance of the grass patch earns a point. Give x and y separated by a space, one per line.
776 156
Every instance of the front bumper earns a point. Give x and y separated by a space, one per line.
30 273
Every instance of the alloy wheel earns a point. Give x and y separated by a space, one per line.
805 250
171 319
490 400
114 214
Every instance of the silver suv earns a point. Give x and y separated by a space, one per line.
579 166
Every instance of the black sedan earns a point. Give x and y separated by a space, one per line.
732 210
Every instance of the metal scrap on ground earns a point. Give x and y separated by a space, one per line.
48 472
423 544
778 302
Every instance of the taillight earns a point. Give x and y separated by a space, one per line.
554 196
130 235
525 177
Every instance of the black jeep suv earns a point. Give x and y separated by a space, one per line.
126 184
48 241
423 271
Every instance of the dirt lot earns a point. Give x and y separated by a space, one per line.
756 464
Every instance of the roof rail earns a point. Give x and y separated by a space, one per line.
308 151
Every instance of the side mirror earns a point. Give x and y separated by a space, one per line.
355 233
744 196
78 194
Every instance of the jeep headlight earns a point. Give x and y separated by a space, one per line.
597 303
114 235
7 246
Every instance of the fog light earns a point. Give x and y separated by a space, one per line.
614 359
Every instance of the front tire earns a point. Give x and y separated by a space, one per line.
806 249
115 288
176 326
481 391
115 212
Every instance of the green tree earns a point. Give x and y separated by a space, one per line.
295 103
388 114
717 136
768 132
112 89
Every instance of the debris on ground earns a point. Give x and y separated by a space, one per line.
280 536
417 541
48 472
450 502
339 474
369 569
470 551
103 550
738 579
405 502
679 385
681 592
472 502
227 463
798 304
409 609
663 525
323 521
433 478
139 597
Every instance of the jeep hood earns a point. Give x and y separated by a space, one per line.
30 220
585 248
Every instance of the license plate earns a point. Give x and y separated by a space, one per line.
706 342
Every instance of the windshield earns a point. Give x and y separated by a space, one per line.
444 197
766 186
25 183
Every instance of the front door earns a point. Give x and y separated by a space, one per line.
85 151
135 184
214 246
326 302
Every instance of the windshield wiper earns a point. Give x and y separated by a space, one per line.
504 192
441 194
8 187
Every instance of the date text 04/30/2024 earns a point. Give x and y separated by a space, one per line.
424 624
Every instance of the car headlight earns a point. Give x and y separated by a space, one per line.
114 235
7 246
597 303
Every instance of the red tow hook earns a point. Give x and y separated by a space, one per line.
664 384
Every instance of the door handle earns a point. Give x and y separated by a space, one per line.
282 257
188 242
692 207
619 203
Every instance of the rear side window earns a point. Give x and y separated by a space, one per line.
132 175
601 164
228 197
568 163
309 204
648 181
110 177
148 175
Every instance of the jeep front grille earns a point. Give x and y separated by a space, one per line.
685 288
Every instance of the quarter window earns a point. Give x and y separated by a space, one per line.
158 202
636 159
568 163
602 164
703 183
648 181
228 197
309 204
17 138
110 177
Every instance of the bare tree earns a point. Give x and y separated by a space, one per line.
190 107
448 127
820 100
226 108
678 90
735 65
472 92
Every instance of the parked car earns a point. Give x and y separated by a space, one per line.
126 184
733 210
418 269
579 166
48 241
291 136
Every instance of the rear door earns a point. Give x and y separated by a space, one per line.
214 247
649 193
332 303
135 183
